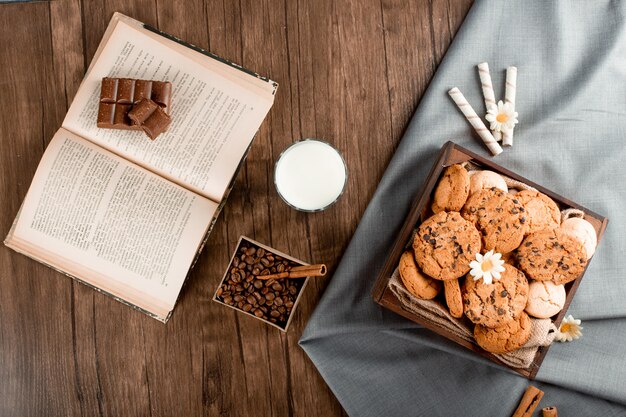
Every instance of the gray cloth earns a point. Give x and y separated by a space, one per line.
571 98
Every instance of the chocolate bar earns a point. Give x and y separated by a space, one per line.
119 95
150 117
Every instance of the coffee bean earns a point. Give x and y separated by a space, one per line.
271 300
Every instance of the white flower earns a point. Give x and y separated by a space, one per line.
487 266
569 330
502 117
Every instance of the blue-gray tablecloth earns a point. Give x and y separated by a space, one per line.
571 99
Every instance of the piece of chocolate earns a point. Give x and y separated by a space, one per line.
150 117
119 95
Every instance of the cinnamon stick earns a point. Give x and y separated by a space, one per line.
317 270
530 401
550 412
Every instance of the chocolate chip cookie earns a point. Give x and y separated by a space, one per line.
452 190
444 245
552 255
498 303
415 281
454 300
503 339
541 211
499 216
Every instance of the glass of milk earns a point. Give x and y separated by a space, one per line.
310 175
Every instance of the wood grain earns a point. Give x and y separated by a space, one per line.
350 72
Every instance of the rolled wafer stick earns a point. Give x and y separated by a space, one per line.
529 402
509 97
550 412
475 121
485 82
317 270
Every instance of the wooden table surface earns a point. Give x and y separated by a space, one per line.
350 72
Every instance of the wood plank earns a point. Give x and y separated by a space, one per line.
66 349
36 347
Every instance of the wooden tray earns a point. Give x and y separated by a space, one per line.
450 154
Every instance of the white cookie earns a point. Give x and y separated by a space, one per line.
545 299
481 180
583 231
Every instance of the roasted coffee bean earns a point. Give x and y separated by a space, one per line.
271 300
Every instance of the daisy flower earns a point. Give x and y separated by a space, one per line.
502 117
569 330
487 266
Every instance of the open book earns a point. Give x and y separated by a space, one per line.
127 215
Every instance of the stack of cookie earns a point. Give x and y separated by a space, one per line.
476 217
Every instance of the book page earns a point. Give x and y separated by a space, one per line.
214 118
89 208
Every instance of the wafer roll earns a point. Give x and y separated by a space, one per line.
509 97
487 85
475 121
